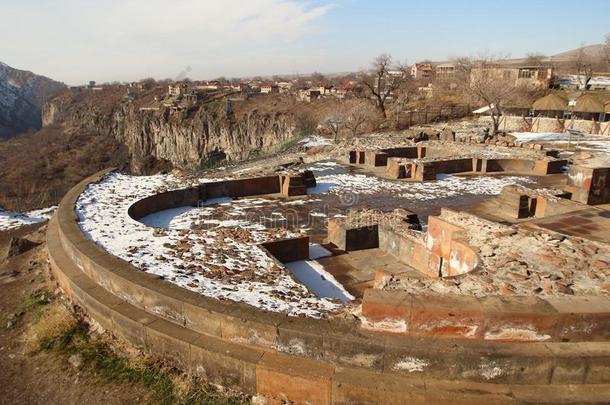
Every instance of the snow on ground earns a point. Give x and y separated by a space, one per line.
315 140
330 179
220 262
13 220
212 249
522 137
602 147
589 142
318 280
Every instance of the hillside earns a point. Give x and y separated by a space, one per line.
85 131
591 51
22 95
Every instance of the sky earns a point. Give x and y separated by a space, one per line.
75 41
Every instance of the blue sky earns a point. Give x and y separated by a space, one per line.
104 40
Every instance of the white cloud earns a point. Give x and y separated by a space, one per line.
128 39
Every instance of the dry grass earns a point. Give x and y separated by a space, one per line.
52 321
55 328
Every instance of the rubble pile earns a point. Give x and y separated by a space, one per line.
518 261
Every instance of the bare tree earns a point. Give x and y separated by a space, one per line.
606 53
333 122
382 80
583 67
357 115
534 59
318 78
484 82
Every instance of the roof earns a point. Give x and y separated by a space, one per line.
587 103
551 102
424 66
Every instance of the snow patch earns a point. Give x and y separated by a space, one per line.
214 262
410 364
13 220
319 281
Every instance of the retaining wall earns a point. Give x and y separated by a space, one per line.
321 360
544 124
397 168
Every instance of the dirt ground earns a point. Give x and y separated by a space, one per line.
45 377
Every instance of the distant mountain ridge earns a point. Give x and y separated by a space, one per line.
22 95
595 50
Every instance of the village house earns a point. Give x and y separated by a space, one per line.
325 90
444 69
285 87
422 71
531 76
269 88
308 95
175 90
210 85
343 89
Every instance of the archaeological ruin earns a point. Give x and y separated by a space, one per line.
389 275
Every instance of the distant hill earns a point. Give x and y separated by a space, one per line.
22 95
593 51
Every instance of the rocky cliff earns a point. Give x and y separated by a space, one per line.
188 138
22 95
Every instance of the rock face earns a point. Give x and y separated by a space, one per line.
186 138
195 140
22 95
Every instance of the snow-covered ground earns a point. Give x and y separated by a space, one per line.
13 220
594 143
213 249
330 178
315 140
223 262
523 137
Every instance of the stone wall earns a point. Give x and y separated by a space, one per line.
334 360
543 124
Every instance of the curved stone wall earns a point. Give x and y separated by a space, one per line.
323 361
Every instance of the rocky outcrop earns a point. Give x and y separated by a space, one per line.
22 95
187 138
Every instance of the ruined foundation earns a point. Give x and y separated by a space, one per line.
405 348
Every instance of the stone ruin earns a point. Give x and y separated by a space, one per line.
506 301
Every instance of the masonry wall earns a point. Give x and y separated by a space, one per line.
324 360
542 124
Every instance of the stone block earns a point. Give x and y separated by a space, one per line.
582 318
352 238
376 159
201 319
224 363
386 311
447 315
395 169
462 259
250 328
348 346
288 250
170 342
301 381
302 337
129 323
528 319
440 234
